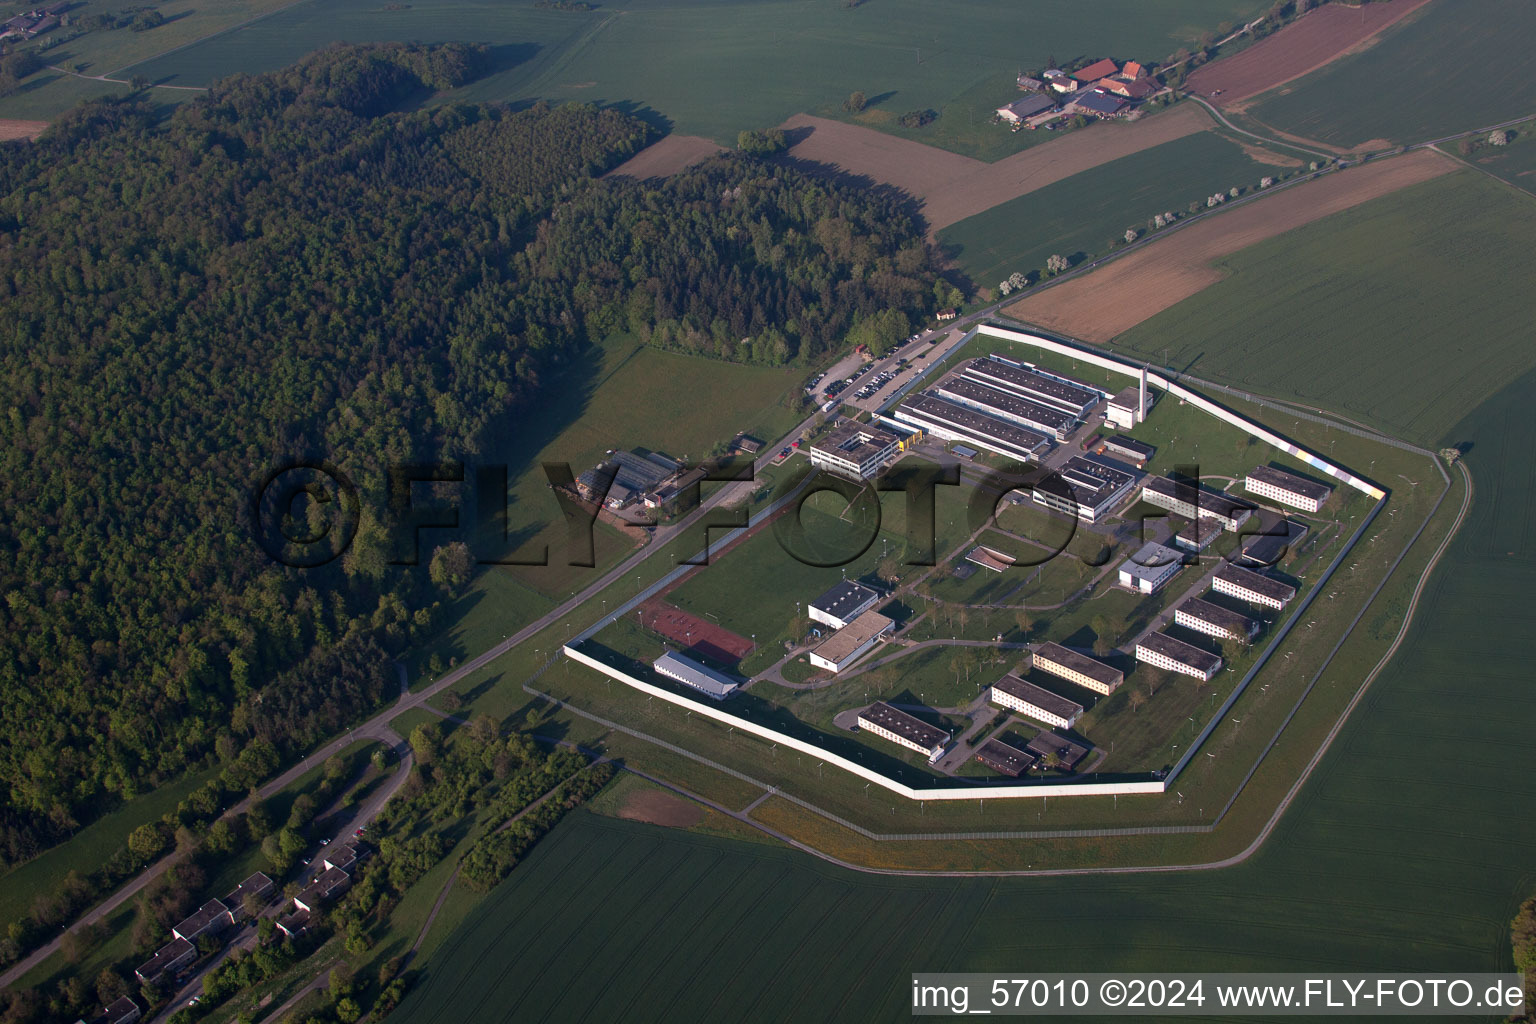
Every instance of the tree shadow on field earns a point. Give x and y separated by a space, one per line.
660 123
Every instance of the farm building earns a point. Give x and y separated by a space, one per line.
122 1011
1214 620
746 444
690 673
848 644
842 604
1150 568
1084 488
1255 588
1188 499
1005 758
331 883
258 885
901 728
1163 651
1133 90
1137 452
168 958
1096 102
1034 701
1036 387
1194 534
625 476
1133 71
1288 488
952 422
1029 106
856 450
1021 411
1102 68
1049 745
1086 672
211 918
1030 84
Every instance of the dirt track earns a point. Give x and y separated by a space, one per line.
668 155
1100 305
953 187
658 808
12 129
1318 38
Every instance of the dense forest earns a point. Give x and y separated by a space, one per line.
294 266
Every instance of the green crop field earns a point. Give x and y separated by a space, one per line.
1362 313
716 68
1448 68
1081 216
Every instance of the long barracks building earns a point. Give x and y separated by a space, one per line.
1253 587
1288 488
901 728
953 422
1214 620
1163 651
1191 501
1086 672
1035 702
1036 387
1005 406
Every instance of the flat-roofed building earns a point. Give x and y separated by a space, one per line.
1137 452
901 728
624 476
950 421
1253 587
211 918
1065 663
1214 620
1288 488
258 885
344 855
858 451
1005 758
1128 407
681 669
1035 702
1150 568
1191 501
1163 651
1032 385
170 957
843 603
330 884
293 924
848 644
122 1011
1084 488
1194 534
1005 406
1048 745
1270 546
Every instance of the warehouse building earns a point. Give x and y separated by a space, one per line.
1086 672
951 422
632 473
1034 701
1011 408
1255 588
1128 448
1005 758
857 451
1162 651
1084 488
1194 534
1029 106
1048 745
843 603
1150 568
170 957
690 673
1032 385
1287 488
211 918
1188 499
1270 546
848 644
1214 620
901 728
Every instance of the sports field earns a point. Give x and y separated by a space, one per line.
1081 216
1447 68
713 69
1430 329
1168 270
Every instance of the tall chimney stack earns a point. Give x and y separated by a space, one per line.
1141 408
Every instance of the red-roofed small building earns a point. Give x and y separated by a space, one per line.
1098 69
1137 90
1132 71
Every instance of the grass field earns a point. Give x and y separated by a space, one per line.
1515 161
714 69
1445 69
1081 217
1428 329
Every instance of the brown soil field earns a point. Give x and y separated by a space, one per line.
951 187
12 129
658 808
1100 305
1260 155
1306 44
668 155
